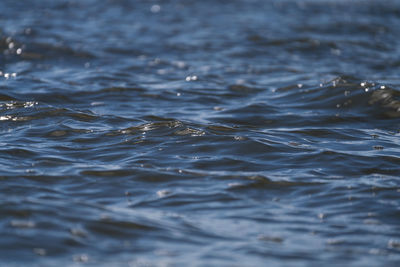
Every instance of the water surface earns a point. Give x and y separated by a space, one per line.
198 133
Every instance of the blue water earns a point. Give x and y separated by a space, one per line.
200 133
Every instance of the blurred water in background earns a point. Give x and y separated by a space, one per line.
199 133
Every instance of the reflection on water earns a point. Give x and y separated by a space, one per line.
168 133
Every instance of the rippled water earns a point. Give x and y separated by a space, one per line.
198 133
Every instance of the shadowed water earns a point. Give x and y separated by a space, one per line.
200 133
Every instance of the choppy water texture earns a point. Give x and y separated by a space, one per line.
200 133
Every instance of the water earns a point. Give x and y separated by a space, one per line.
200 133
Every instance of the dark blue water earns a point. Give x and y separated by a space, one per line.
200 133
